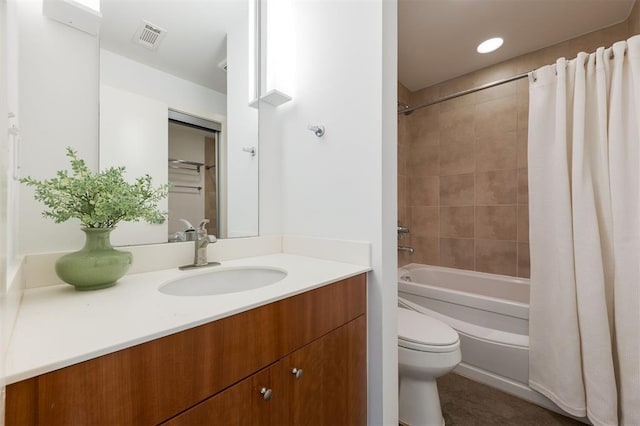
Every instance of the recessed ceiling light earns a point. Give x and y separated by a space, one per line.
490 45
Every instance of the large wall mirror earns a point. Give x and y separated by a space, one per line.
175 102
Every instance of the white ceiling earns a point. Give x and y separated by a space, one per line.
437 39
195 42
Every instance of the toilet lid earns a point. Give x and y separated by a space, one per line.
421 330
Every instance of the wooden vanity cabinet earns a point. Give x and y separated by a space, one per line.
323 383
213 374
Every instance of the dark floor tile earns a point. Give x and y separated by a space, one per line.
468 403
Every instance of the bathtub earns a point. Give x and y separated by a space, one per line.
491 315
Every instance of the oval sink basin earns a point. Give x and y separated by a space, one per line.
223 281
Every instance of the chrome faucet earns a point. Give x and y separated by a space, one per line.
402 230
203 239
407 249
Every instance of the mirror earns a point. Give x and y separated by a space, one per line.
175 103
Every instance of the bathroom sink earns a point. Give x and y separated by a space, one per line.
223 281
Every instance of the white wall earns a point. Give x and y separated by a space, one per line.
344 184
4 154
9 260
134 134
58 90
12 186
242 168
118 71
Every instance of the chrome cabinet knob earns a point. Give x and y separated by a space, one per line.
266 393
297 372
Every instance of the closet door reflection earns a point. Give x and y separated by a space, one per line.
192 153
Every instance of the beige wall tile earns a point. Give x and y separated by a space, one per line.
496 117
403 154
403 200
634 20
457 222
404 258
601 38
496 222
497 92
404 131
424 156
524 269
522 89
456 157
457 253
458 123
425 221
457 190
522 149
496 257
454 86
425 95
423 121
523 223
404 95
499 187
424 191
493 73
496 152
427 250
523 186
522 107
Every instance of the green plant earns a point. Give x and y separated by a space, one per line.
98 199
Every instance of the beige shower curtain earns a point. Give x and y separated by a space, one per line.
584 208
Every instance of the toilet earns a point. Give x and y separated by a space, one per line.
427 349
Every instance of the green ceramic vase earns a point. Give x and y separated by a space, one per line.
98 265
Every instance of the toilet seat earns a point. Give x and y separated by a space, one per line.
423 333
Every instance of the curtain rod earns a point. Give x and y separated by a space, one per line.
408 110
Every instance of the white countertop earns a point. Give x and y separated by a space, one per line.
58 326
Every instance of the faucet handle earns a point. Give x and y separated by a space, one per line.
403 229
203 224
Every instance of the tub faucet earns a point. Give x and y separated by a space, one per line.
410 250
200 251
402 230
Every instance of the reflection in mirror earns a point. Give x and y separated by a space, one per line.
193 174
189 57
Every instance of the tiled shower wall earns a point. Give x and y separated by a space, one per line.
462 164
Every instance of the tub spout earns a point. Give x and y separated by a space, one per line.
407 249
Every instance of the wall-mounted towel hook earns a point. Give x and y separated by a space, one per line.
250 149
317 129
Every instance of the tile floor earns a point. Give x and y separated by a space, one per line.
468 403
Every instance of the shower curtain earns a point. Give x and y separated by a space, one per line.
584 208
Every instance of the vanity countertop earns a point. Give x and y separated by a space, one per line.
58 326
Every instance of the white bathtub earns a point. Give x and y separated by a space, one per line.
491 315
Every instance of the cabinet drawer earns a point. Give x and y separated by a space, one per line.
315 313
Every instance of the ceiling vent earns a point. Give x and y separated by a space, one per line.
149 35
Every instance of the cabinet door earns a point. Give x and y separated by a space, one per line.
345 374
302 373
332 387
255 400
